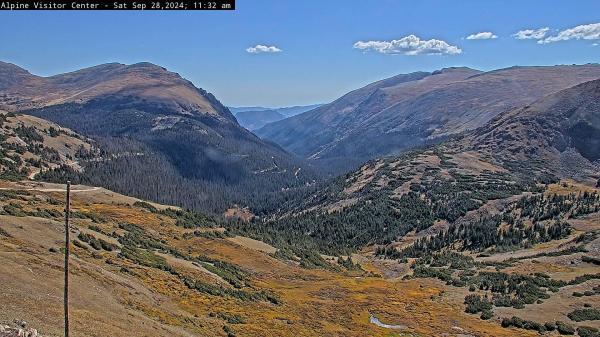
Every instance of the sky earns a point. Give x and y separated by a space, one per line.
283 52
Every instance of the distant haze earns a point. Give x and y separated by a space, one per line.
254 118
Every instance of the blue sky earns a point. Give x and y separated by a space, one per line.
318 60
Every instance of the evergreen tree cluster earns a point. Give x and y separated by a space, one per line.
507 230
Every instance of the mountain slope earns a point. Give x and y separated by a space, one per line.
563 129
493 215
139 270
29 145
405 111
162 138
144 81
515 154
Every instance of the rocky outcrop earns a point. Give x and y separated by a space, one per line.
20 330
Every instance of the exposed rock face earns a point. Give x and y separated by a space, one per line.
21 330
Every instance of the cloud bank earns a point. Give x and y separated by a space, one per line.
581 32
482 36
259 48
409 45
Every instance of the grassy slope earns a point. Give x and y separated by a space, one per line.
108 300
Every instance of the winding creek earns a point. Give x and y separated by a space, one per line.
377 322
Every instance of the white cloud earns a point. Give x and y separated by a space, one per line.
409 45
581 32
482 36
531 34
259 48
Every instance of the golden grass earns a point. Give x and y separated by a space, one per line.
110 302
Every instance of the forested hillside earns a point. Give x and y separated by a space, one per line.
30 145
160 137
517 154
505 217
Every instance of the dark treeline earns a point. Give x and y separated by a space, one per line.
342 232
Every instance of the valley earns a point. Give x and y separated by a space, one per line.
154 283
254 118
158 135
186 224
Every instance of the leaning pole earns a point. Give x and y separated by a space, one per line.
67 244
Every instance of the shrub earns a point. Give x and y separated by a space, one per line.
586 331
486 314
550 326
78 243
591 260
586 314
476 303
14 210
523 324
87 215
145 205
97 244
230 318
564 329
144 258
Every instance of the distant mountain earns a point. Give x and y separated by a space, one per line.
254 118
235 110
296 110
162 138
410 110
517 153
286 111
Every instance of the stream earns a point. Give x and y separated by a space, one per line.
377 322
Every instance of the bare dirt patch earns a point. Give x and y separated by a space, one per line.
253 244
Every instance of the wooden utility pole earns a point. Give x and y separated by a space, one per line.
67 244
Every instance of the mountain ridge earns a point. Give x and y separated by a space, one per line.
552 139
386 118
139 80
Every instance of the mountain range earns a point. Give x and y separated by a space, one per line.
549 140
410 110
477 194
161 137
